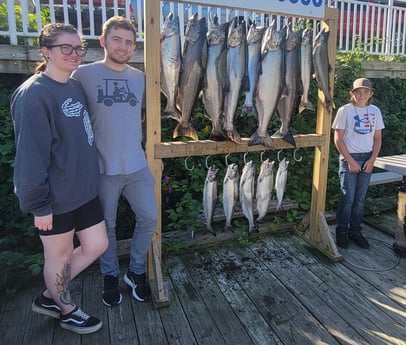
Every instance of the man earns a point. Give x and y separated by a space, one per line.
358 137
115 94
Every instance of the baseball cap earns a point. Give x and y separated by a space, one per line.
361 83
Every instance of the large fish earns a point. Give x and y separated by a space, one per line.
280 181
264 188
269 86
247 194
210 197
322 66
236 67
194 57
290 96
306 63
170 64
215 77
254 40
230 193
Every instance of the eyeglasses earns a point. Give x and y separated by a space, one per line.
67 49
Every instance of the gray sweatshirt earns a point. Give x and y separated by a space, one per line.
56 169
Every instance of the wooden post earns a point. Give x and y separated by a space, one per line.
319 234
153 131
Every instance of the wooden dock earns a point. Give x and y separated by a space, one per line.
271 290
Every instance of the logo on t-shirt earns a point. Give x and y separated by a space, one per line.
115 91
364 123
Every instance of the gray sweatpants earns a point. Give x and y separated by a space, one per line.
138 190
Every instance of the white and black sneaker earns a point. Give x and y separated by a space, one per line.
46 306
79 322
111 294
139 285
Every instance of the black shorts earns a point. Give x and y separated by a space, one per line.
83 217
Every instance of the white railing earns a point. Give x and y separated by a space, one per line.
372 27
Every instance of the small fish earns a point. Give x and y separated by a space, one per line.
264 188
230 193
322 66
306 63
210 197
215 77
254 39
247 194
194 57
236 66
280 181
170 64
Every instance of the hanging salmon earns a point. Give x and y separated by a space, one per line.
247 194
269 86
280 181
236 67
230 193
322 66
264 188
170 64
287 104
215 77
306 64
194 58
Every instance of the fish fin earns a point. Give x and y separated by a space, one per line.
249 109
288 137
308 106
176 115
233 135
188 131
258 140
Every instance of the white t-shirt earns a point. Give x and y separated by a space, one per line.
360 125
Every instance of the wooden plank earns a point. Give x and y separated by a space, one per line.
257 327
203 326
153 135
230 327
174 320
324 305
38 328
291 321
367 301
207 147
384 69
92 285
323 126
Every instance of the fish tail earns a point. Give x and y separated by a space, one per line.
288 137
233 135
304 105
216 135
171 114
258 140
188 131
249 109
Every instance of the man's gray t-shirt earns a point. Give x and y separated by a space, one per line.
115 100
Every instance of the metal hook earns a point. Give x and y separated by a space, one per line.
279 152
295 158
210 14
245 157
262 154
186 166
207 159
226 158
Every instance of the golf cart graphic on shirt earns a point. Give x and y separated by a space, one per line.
115 91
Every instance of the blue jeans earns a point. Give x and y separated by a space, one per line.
353 191
138 190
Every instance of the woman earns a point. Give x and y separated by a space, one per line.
56 173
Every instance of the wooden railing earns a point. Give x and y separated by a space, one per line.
368 26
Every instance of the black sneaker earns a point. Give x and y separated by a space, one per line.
79 322
342 239
46 306
360 240
139 285
111 294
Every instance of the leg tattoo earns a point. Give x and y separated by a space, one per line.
62 285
